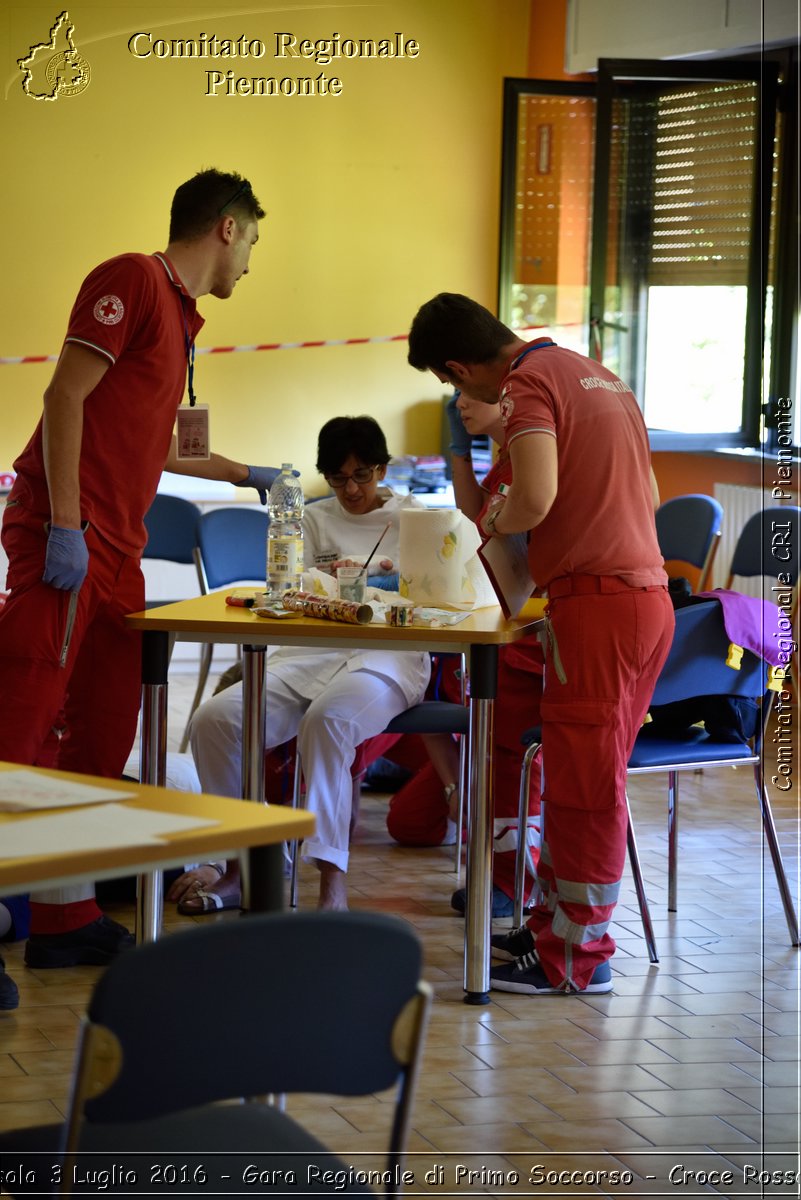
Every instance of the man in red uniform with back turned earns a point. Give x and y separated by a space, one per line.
583 485
73 527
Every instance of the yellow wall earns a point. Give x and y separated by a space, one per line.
376 199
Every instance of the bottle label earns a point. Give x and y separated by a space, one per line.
285 558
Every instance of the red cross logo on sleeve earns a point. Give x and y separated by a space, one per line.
109 310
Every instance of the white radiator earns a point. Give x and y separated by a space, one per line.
739 503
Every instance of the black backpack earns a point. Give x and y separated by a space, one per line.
725 718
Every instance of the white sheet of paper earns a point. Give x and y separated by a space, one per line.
22 790
113 826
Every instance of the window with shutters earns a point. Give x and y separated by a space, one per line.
651 221
548 162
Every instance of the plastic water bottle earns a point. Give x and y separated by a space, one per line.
285 534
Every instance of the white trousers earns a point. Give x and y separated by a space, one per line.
354 706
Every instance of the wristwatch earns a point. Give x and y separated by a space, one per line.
489 524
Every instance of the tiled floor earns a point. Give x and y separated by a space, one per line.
691 1065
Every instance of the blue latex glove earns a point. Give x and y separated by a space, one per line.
66 559
388 582
461 440
262 479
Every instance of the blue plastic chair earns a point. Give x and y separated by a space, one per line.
688 530
172 525
769 545
313 1003
172 533
696 666
231 548
532 740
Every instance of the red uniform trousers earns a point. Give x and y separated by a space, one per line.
612 641
95 696
418 813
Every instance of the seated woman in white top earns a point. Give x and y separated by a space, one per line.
331 700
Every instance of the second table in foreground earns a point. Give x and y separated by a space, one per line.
233 827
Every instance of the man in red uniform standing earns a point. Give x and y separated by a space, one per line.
582 484
73 527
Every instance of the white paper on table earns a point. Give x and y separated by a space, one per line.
111 827
22 790
439 616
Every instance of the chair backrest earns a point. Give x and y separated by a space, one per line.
306 1002
688 530
770 544
232 546
696 664
172 529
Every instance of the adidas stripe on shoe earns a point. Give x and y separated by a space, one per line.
512 945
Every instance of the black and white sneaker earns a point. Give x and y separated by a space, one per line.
512 945
527 976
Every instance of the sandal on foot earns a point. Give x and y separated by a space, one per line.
209 903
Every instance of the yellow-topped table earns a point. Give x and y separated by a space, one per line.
237 826
478 636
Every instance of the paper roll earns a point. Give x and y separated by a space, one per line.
438 561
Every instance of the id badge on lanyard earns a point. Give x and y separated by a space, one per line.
192 425
192 420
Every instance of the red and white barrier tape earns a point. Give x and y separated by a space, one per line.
362 341
359 341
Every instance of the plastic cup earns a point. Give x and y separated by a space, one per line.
350 584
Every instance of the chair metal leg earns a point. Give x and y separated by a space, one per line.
457 854
639 885
673 839
203 675
522 832
294 846
464 775
769 826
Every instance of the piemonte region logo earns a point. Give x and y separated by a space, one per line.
55 68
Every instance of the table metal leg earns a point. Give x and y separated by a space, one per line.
255 884
480 818
266 869
152 768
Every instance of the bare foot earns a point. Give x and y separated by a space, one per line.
452 798
333 889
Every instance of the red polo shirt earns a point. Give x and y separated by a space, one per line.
136 314
602 520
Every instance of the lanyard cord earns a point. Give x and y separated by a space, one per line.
190 355
544 345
